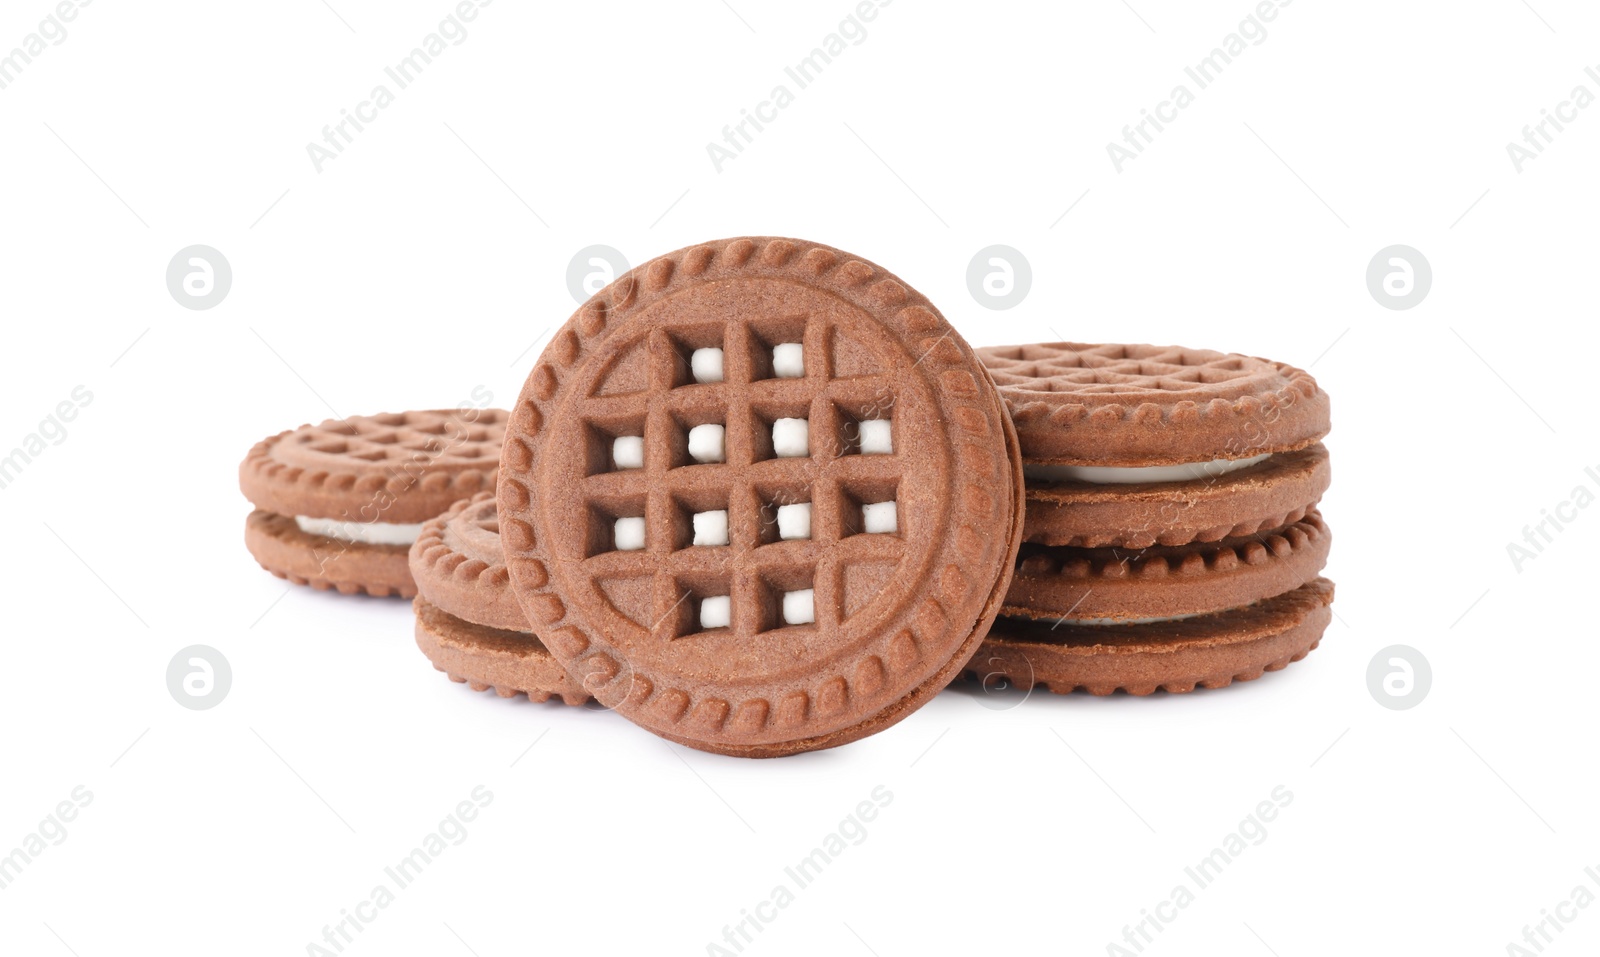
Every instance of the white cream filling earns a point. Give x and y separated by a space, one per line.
366 533
1127 621
1125 475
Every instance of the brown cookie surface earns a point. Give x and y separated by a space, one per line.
338 502
1166 580
1275 492
460 567
279 546
1141 405
402 467
1209 651
842 461
510 662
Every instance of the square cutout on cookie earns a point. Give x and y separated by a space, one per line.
710 528
705 365
791 438
880 518
876 437
627 452
708 443
714 611
788 361
627 533
794 522
799 607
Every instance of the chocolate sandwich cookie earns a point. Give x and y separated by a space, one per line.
339 504
1109 585
1173 538
764 493
1137 445
1209 651
468 621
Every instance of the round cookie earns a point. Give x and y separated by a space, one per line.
1141 405
1112 585
510 662
1134 445
765 488
338 504
468 621
1209 651
460 567
1256 498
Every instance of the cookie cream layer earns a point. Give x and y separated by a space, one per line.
1136 621
1118 475
365 533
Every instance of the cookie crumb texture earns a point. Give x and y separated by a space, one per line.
808 628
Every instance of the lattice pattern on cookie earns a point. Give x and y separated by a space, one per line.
785 444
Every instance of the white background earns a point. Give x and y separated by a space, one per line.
427 259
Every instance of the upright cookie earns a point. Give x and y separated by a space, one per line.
339 504
765 493
468 621
1136 445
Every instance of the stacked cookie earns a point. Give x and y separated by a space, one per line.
338 505
468 621
1171 536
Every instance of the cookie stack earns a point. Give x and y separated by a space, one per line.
338 505
758 497
468 621
1172 538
